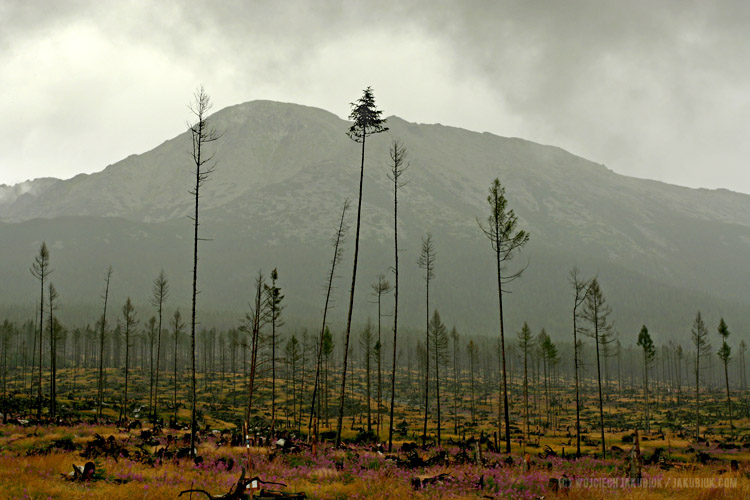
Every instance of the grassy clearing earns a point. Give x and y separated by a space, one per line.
33 459
357 472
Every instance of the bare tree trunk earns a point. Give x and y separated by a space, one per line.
437 392
53 356
337 249
506 410
599 381
697 394
427 368
200 134
340 421
729 400
645 391
396 174
101 346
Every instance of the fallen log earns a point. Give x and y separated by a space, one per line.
548 452
81 472
240 490
418 482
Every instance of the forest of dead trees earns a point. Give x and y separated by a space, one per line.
151 362
468 374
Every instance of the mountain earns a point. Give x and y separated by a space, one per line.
24 193
661 252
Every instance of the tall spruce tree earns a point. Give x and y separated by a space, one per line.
426 261
597 311
649 352
506 240
367 121
40 270
725 354
274 308
699 335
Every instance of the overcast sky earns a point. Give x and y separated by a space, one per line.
652 89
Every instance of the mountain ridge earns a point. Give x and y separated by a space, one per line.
285 169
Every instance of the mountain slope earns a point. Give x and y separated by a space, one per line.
283 172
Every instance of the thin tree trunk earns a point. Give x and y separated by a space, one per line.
124 410
395 311
437 391
729 401
41 331
367 373
645 390
599 381
53 364
101 346
502 339
158 357
340 421
193 402
526 390
427 368
380 373
577 370
336 254
697 394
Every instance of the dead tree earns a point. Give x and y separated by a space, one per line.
338 245
54 328
238 491
427 262
398 153
160 292
40 270
201 134
177 326
254 322
102 332
379 288
128 313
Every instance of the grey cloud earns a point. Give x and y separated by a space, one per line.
594 76
654 89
